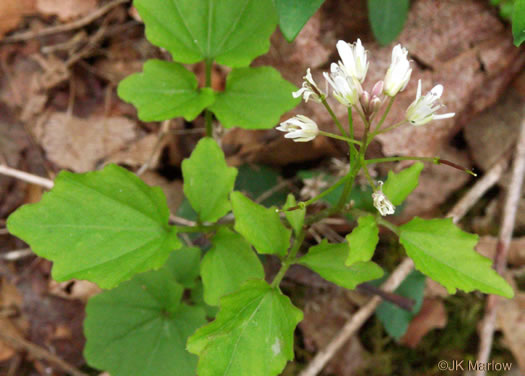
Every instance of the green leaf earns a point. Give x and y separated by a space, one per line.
164 91
197 297
261 226
363 240
255 180
141 328
231 32
252 334
446 254
518 22
387 18
184 264
293 15
103 226
208 180
328 260
294 217
399 186
228 264
255 98
396 319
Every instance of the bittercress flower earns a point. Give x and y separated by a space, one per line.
423 109
398 74
346 89
300 128
355 61
309 89
381 202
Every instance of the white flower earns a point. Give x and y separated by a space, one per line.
381 202
398 74
346 89
309 89
423 109
300 128
355 62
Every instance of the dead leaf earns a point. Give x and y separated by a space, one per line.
80 144
516 256
66 10
16 326
431 316
138 152
74 289
511 320
12 12
172 189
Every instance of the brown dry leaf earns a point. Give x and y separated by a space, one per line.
511 320
66 10
516 256
74 289
138 153
431 316
172 189
80 144
12 12
10 300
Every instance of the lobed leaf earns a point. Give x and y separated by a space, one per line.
165 90
231 32
399 186
328 260
141 328
261 226
103 226
230 262
363 240
446 254
208 180
254 98
252 334
184 264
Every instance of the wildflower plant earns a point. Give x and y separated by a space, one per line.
171 308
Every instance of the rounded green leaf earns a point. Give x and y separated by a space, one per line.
363 240
184 264
328 260
230 262
261 226
252 334
141 328
208 180
387 18
399 186
103 226
165 90
293 15
446 254
396 319
255 98
231 32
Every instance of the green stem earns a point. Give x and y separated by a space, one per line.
353 151
388 225
336 121
202 228
327 191
290 259
207 113
367 174
331 135
383 118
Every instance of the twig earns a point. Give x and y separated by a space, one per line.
268 193
399 300
39 353
164 129
502 247
182 221
16 254
27 177
397 276
26 35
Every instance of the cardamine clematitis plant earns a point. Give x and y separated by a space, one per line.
172 308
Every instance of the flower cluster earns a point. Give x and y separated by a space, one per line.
346 78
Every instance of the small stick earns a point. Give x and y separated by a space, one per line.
399 300
398 275
26 35
502 248
39 353
16 254
27 177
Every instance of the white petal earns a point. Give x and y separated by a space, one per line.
444 116
437 91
